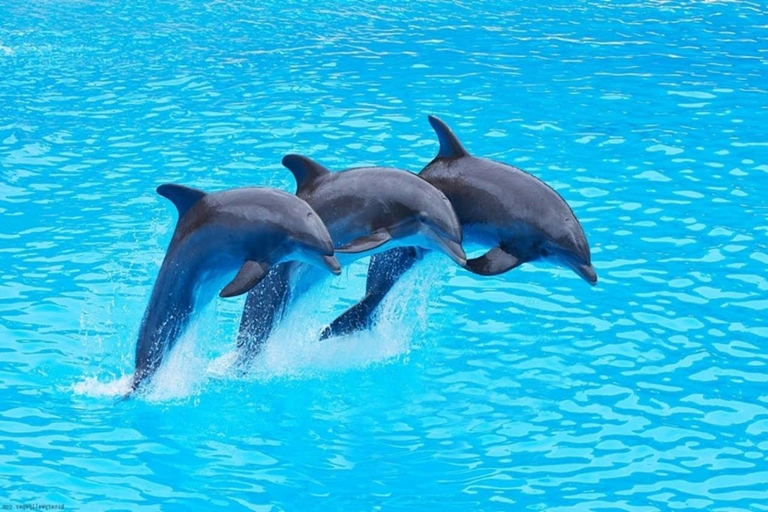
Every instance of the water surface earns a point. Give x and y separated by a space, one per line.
528 391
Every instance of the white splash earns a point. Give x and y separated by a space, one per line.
94 388
293 350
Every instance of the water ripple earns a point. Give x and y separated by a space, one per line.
528 391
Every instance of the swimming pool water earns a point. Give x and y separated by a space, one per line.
528 391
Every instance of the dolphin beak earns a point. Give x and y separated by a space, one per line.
576 263
452 249
456 252
586 272
332 264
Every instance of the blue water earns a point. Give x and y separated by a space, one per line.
528 391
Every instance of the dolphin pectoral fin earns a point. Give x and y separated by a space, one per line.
249 274
366 243
494 262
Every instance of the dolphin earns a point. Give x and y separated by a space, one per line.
519 216
367 210
367 207
224 241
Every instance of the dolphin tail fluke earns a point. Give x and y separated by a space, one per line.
494 262
182 197
356 318
249 274
450 147
305 170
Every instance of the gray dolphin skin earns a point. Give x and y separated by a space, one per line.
520 217
230 237
366 210
367 207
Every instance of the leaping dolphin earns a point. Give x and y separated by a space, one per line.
519 216
366 210
367 207
230 237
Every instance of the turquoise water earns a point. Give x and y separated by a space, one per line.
529 391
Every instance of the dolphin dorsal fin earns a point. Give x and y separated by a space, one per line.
182 197
305 170
450 147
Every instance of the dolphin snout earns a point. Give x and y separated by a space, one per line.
332 264
586 272
454 235
579 263
455 251
451 248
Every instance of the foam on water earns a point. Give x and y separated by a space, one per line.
93 387
293 350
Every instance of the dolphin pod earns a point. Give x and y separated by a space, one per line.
519 216
366 210
255 239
